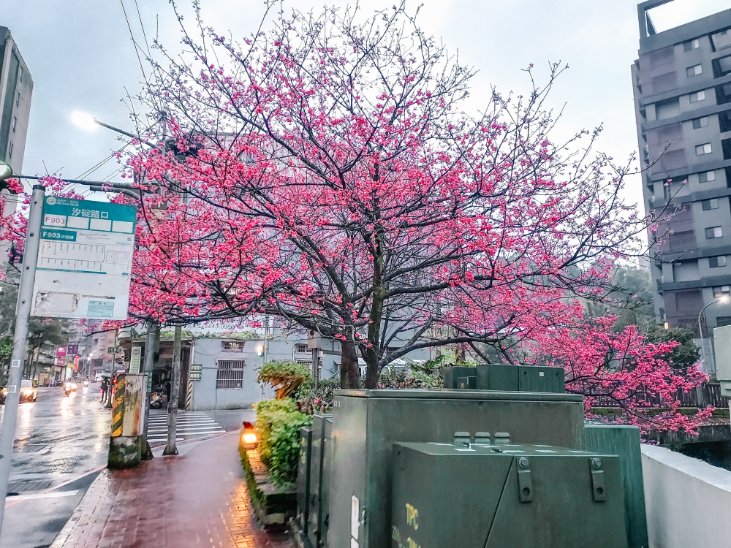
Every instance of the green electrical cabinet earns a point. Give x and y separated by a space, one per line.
459 377
366 424
303 479
327 445
624 441
524 378
517 496
317 489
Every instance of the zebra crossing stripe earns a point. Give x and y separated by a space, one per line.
118 408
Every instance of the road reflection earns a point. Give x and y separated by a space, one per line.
60 437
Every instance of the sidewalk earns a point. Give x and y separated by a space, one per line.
195 499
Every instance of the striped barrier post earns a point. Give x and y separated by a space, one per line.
128 411
189 394
118 408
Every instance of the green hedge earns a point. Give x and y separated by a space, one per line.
277 429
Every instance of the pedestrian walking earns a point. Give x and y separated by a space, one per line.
104 389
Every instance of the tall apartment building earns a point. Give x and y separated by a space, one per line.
682 89
16 88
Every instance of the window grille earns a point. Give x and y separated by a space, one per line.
230 374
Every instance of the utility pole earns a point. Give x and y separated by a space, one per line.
171 448
153 332
20 336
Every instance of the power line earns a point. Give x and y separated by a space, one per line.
137 48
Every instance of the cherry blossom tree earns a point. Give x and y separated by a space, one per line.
390 218
329 171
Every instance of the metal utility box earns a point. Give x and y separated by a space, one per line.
303 479
317 452
722 355
327 448
623 440
521 496
459 377
524 378
366 423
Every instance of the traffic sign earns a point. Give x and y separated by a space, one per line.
84 259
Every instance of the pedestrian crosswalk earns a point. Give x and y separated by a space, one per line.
190 425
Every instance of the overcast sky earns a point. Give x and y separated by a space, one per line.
81 57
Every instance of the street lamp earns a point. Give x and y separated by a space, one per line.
721 299
5 171
89 122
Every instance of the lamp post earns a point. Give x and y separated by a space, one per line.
90 123
20 335
721 299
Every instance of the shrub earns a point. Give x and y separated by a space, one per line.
267 413
410 379
285 446
313 401
285 377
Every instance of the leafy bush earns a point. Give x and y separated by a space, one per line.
285 446
285 377
267 413
313 401
277 429
410 379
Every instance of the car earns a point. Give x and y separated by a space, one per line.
28 392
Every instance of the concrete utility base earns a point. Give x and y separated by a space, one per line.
124 452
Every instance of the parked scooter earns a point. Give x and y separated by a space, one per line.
156 400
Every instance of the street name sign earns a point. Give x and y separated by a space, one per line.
84 259
135 359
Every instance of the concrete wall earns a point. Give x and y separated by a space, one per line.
687 500
208 351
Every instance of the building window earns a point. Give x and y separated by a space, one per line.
10 149
714 232
705 148
707 176
304 362
300 348
230 374
717 262
721 290
722 321
20 74
232 346
17 99
691 44
695 70
698 96
15 122
700 122
710 204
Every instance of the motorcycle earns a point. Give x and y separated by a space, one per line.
69 387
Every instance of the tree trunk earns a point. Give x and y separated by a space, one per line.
371 380
349 372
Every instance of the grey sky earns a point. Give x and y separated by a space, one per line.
81 58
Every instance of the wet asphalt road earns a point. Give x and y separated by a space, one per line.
61 443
